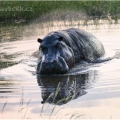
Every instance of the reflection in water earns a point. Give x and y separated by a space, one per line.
61 89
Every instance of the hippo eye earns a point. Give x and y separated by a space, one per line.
43 48
57 45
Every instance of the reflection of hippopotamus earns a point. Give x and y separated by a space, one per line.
61 89
60 50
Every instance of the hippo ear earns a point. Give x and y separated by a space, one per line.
39 40
60 38
42 102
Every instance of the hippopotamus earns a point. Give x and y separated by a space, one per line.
60 50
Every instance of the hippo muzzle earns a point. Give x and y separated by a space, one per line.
52 66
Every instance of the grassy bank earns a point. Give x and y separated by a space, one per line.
35 18
28 10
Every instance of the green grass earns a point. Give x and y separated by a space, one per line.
11 31
28 10
5 64
20 15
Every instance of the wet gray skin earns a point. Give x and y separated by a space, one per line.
60 50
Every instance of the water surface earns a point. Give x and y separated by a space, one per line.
91 91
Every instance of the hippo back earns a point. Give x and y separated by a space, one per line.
84 45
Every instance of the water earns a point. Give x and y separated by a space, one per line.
90 92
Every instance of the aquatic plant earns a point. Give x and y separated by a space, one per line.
5 64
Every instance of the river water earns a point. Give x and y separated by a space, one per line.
91 91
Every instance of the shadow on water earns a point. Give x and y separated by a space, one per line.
62 89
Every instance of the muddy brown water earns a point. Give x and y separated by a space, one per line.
91 91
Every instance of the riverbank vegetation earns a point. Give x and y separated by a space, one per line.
29 10
22 19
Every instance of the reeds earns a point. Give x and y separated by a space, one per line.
27 10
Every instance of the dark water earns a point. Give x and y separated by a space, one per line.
91 91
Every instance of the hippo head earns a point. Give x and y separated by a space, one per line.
56 56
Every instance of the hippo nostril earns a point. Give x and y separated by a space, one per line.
43 63
54 61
